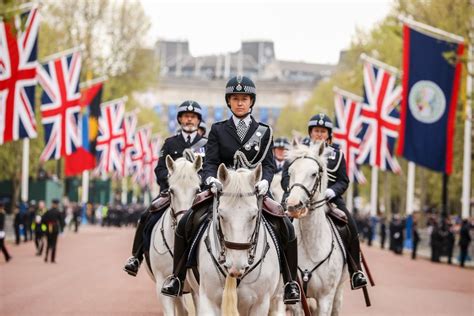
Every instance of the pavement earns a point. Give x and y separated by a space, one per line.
88 280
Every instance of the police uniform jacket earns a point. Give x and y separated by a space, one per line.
224 142
173 146
53 220
337 175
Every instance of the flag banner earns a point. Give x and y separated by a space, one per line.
172 121
18 67
142 156
346 131
129 128
155 144
379 117
60 105
85 156
430 91
110 140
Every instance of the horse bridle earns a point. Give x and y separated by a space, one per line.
310 204
224 244
174 215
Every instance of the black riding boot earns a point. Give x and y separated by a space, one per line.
358 279
133 263
173 285
292 291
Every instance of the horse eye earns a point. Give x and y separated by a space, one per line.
313 175
253 217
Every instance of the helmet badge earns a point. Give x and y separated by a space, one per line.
321 122
238 87
190 108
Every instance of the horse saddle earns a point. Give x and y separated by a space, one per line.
338 216
160 203
272 207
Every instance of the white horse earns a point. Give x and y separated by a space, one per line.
320 251
183 185
237 245
276 189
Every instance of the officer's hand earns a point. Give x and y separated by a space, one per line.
215 184
262 187
330 194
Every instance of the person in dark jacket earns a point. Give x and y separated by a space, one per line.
464 240
189 116
320 129
415 238
3 248
239 142
383 232
53 220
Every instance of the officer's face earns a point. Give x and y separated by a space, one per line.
279 153
319 133
240 104
189 121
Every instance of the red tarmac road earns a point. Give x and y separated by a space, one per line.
88 280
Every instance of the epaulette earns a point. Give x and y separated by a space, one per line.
335 146
263 124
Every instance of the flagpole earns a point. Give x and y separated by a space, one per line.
347 94
410 187
466 175
124 191
433 30
350 198
64 52
25 168
373 191
380 64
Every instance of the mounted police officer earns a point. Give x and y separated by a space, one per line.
320 128
239 142
280 146
189 117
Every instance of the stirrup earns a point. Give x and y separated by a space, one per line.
291 300
352 280
169 279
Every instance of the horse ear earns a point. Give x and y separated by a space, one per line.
198 163
257 174
169 164
223 174
295 142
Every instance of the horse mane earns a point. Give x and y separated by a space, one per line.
183 172
239 183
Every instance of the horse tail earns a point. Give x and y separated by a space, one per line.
229 297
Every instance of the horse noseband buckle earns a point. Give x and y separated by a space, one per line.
306 275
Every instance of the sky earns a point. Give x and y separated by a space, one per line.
310 30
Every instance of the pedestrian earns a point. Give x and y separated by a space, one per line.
38 228
53 220
415 239
464 240
2 233
17 223
383 231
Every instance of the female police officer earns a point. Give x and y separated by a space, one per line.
241 142
320 129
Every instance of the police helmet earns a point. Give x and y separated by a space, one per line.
240 85
321 120
281 142
189 106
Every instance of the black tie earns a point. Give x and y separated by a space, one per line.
188 141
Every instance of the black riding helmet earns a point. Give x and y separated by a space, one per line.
189 106
281 142
240 85
321 120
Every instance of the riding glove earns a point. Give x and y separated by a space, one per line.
262 187
330 194
215 184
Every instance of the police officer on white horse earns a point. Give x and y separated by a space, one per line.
189 116
240 142
320 129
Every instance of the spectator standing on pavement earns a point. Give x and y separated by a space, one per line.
415 239
17 223
53 220
38 228
2 233
383 232
29 220
464 240
435 241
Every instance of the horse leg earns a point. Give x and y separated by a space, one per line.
180 305
277 308
325 304
167 302
206 307
337 303
260 308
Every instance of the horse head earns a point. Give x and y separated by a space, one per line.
238 217
184 182
308 178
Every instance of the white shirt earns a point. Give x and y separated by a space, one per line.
185 136
247 120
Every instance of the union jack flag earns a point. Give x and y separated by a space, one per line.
110 140
61 105
380 118
346 130
18 63
129 128
155 155
142 156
